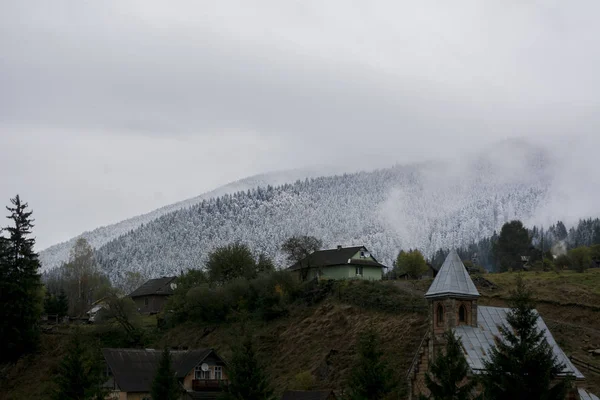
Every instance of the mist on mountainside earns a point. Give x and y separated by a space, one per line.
430 205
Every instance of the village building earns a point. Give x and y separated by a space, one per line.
96 309
201 373
452 299
151 297
308 395
432 271
339 263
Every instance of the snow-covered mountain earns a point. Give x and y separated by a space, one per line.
55 255
445 203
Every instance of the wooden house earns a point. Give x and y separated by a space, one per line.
201 373
150 298
339 263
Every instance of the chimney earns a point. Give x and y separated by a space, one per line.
339 247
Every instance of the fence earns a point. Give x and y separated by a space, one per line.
586 366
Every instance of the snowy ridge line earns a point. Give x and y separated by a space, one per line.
54 255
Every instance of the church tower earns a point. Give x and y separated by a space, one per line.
452 298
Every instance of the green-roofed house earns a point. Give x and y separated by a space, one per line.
339 263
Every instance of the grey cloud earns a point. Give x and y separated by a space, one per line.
303 83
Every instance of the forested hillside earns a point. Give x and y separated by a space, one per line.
426 206
55 255
555 239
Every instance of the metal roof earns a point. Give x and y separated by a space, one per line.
478 341
452 280
585 395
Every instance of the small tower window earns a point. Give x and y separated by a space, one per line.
462 314
440 314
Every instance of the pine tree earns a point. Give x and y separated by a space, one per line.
523 364
596 235
165 385
514 241
247 378
62 304
21 294
447 373
370 378
79 375
561 231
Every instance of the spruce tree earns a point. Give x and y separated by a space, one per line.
596 235
21 294
370 378
514 241
247 378
62 304
447 373
79 374
522 365
165 385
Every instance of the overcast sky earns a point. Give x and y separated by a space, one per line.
109 109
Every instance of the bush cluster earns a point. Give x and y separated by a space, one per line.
267 297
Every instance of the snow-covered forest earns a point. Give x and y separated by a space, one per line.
555 238
55 255
429 206
426 206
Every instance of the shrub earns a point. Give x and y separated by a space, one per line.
268 296
206 304
304 381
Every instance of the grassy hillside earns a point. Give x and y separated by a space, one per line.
317 338
321 338
569 302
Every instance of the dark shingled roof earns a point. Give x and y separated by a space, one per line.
134 369
328 258
308 395
158 287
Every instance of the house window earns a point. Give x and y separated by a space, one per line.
201 375
146 301
218 373
462 314
359 271
440 315
362 254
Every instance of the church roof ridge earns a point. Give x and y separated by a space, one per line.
452 280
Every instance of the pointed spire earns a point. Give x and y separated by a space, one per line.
452 280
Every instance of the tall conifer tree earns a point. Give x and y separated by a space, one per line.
370 378
447 373
79 374
21 298
523 365
514 241
165 385
248 380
